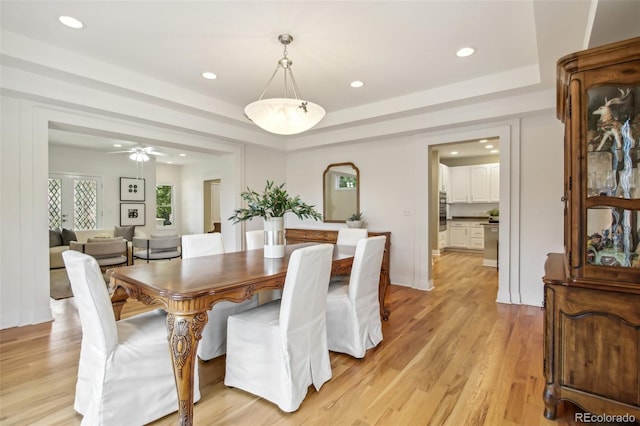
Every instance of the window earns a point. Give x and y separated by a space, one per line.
346 182
164 206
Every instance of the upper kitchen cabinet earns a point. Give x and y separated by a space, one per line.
475 184
444 180
460 180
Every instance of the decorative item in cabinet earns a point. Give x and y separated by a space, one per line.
298 235
592 290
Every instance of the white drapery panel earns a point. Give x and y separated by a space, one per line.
277 350
353 309
125 372
214 335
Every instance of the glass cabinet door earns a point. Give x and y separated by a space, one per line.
612 177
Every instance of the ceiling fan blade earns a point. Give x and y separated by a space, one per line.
121 152
159 154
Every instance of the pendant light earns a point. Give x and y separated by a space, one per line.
284 116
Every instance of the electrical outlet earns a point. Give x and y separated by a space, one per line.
406 212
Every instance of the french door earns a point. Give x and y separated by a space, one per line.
75 201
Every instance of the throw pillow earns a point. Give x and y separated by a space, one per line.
55 238
67 236
103 240
125 232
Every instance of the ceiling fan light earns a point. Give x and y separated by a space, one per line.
284 116
139 156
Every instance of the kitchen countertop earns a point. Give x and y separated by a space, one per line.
481 218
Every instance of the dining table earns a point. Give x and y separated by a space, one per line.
187 288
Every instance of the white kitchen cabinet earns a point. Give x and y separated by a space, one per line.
444 180
466 234
480 191
494 182
479 183
459 233
442 240
476 236
459 180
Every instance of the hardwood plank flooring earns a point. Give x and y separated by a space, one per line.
452 356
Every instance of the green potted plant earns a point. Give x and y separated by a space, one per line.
271 205
356 220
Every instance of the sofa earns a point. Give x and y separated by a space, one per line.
59 240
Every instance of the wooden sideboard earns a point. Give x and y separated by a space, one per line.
297 235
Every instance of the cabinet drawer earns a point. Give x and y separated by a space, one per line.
477 233
476 243
321 236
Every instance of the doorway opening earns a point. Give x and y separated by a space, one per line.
212 219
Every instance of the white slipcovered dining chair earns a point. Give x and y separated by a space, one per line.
125 372
353 308
255 239
214 335
277 350
351 236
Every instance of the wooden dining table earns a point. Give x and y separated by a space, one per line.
188 288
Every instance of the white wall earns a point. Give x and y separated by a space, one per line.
261 165
386 189
542 212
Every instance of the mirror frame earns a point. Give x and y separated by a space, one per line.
324 190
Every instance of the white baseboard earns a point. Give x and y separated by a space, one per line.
490 262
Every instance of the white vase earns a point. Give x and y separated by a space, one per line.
274 237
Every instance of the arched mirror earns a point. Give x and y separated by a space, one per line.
341 192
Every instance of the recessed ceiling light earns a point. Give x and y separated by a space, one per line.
209 75
465 51
183 155
169 162
356 84
494 151
483 140
454 152
70 22
117 145
488 146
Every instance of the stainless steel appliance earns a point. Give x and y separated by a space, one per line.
442 211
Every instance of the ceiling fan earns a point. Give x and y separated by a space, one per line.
140 153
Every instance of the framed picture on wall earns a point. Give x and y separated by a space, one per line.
132 214
131 189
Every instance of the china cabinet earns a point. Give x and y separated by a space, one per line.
592 290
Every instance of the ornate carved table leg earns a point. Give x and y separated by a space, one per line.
184 332
118 299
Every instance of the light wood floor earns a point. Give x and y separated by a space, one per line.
451 356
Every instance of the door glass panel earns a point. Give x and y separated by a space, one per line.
85 204
74 201
613 137
612 237
55 203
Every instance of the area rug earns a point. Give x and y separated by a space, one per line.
59 287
